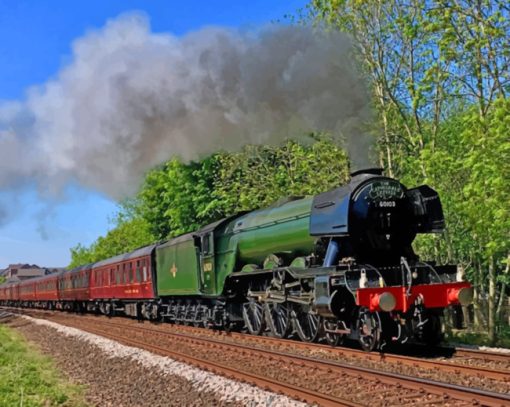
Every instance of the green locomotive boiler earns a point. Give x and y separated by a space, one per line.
337 265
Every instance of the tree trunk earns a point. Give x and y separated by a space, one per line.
492 298
502 296
478 317
466 318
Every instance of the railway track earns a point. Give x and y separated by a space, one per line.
396 388
475 362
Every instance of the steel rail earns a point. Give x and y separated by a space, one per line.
501 375
448 366
346 351
458 392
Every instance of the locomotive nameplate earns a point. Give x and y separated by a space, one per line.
385 191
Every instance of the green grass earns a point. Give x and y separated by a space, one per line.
28 378
481 338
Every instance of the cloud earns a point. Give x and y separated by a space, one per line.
130 99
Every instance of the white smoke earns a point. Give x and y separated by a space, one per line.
130 99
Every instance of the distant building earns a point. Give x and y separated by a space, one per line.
19 272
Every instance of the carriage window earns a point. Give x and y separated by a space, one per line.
138 273
144 267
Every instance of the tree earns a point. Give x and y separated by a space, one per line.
127 234
439 74
257 176
177 198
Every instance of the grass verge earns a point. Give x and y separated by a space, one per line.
28 378
482 338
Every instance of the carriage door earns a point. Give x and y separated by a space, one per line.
207 263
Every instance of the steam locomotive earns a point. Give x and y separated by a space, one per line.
334 266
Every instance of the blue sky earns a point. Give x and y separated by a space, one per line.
35 42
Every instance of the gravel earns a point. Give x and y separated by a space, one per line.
482 348
119 375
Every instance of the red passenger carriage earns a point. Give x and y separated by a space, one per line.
4 293
13 292
9 292
27 291
127 277
47 290
73 288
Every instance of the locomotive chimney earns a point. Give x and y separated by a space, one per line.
367 171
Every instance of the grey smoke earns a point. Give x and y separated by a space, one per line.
130 99
3 215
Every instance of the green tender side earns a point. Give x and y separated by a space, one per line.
178 271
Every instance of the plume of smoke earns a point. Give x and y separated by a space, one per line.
3 215
131 99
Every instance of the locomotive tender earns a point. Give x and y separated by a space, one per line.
337 265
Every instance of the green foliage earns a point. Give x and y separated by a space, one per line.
176 198
260 175
128 234
81 255
29 379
